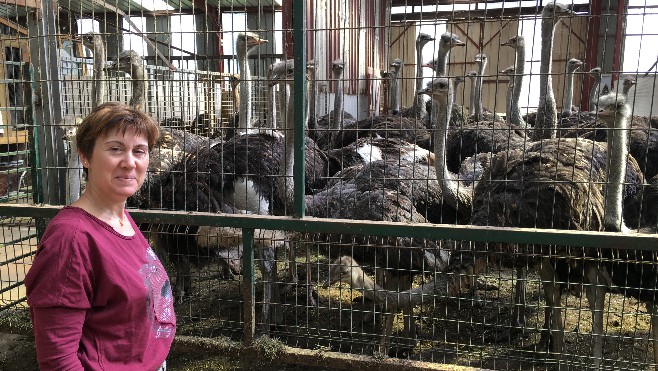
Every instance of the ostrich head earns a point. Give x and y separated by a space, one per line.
337 67
471 74
480 59
92 40
282 71
573 64
629 82
345 270
129 62
247 41
234 80
459 80
423 39
595 72
556 11
509 71
433 64
396 65
450 40
612 106
310 68
438 89
516 42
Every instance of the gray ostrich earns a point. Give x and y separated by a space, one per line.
572 65
546 122
245 44
518 44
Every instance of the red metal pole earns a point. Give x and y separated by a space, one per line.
592 50
619 35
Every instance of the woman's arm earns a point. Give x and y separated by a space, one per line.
57 332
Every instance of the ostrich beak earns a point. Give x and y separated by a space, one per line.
458 43
258 42
428 65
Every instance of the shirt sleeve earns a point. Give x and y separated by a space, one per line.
57 332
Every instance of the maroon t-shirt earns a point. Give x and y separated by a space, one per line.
99 300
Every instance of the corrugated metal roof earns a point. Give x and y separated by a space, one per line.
17 8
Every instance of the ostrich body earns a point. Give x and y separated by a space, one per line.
244 45
515 117
572 65
546 122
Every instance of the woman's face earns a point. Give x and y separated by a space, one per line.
117 166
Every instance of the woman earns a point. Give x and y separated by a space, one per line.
99 297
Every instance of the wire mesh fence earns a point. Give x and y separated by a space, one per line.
335 131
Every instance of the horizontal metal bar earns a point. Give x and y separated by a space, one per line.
19 108
637 241
10 287
17 258
13 303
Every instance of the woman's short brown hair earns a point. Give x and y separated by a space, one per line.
114 116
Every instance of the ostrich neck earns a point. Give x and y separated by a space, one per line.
594 95
458 196
472 96
546 111
441 286
568 97
617 161
419 103
99 74
285 184
519 69
271 95
338 103
138 98
478 91
395 88
245 91
311 101
508 98
442 60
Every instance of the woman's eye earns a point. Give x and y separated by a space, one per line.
140 153
115 149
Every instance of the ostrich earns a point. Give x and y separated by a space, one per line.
518 44
509 105
481 61
577 170
419 109
627 85
472 76
312 94
329 124
394 94
546 122
572 65
132 64
594 94
244 45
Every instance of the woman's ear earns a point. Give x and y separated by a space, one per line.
84 160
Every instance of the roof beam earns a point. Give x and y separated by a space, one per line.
478 13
